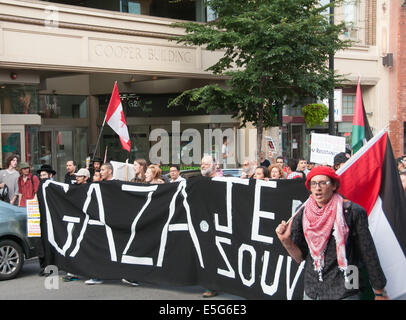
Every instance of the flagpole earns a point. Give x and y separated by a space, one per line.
101 130
98 139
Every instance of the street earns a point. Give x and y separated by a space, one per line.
29 286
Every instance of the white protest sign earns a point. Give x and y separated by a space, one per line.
123 171
324 147
33 219
271 144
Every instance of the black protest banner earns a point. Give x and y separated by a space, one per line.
217 233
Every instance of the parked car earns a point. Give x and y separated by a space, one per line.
15 246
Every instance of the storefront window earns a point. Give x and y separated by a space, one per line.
80 145
10 144
18 99
351 18
32 146
348 104
191 10
130 6
63 107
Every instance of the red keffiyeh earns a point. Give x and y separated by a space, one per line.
317 226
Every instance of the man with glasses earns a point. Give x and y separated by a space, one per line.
174 173
331 234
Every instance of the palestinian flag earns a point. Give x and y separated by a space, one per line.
361 131
370 178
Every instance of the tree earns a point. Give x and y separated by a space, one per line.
276 53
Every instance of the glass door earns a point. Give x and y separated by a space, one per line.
12 142
63 150
58 146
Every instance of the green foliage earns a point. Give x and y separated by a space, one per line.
275 53
314 114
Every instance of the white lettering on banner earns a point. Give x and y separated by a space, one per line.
179 227
247 253
253 254
100 222
258 214
290 289
230 272
229 181
50 228
270 290
71 222
132 259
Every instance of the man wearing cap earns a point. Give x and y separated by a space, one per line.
46 172
82 176
27 185
340 159
95 166
331 234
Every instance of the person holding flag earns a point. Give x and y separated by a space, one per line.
331 234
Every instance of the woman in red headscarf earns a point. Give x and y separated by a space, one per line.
331 234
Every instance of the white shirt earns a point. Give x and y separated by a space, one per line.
178 179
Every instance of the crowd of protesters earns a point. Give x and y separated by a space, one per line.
18 183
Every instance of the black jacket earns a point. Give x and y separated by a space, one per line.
360 252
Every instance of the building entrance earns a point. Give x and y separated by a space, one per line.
57 146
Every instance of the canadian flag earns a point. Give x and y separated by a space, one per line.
116 120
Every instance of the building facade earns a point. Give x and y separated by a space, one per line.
59 61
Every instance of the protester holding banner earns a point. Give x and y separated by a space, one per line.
94 166
275 171
106 171
331 255
140 167
208 169
96 176
248 168
70 177
82 177
174 173
153 174
46 172
261 173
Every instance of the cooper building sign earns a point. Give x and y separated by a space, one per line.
125 53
